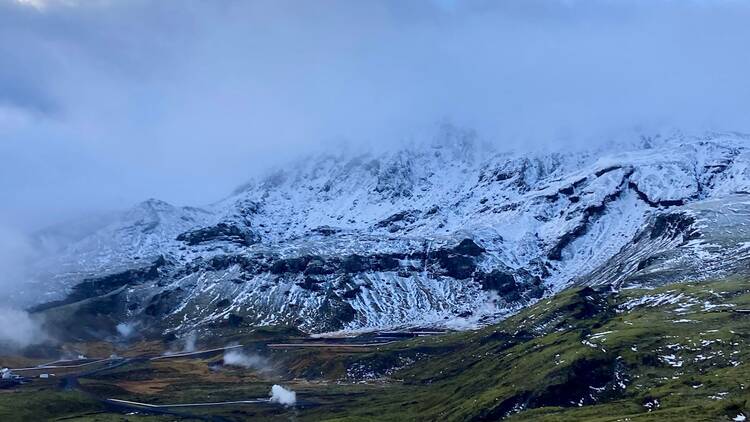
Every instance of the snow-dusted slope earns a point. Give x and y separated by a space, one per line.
449 233
112 243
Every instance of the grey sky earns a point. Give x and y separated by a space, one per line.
104 103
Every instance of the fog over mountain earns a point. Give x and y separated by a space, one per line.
106 103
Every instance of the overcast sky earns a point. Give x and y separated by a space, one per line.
106 103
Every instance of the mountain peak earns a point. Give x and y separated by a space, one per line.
375 240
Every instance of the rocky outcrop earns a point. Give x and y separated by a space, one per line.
221 232
513 288
96 287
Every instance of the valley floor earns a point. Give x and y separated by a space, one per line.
678 352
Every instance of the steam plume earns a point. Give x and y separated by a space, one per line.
283 396
237 358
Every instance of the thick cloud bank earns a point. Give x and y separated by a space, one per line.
105 103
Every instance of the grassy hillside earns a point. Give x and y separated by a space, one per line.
673 353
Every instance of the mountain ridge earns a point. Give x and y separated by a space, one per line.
374 241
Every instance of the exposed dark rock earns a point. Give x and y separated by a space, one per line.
9 383
498 281
606 170
585 381
568 190
326 230
500 175
589 215
234 320
383 262
454 265
311 283
337 311
350 264
162 303
222 262
457 262
673 225
318 266
107 305
468 247
588 303
403 216
503 409
555 254
641 195
512 288
672 202
536 288
580 182
354 264
220 232
290 265
644 263
435 209
573 385
663 203
95 287
148 227
351 294
394 179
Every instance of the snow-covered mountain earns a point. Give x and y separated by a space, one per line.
451 234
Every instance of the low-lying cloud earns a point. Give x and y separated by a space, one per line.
106 103
18 329
16 251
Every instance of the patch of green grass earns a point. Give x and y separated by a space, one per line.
677 348
31 404
678 352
